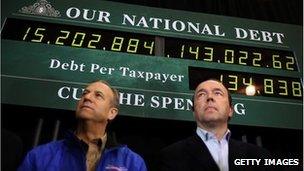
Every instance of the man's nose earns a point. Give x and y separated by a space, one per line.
210 97
87 96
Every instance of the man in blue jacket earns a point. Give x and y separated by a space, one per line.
89 148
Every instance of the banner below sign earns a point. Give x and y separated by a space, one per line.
141 103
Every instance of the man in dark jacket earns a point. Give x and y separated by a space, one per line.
89 147
211 148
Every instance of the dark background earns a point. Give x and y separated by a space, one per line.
147 136
282 11
143 135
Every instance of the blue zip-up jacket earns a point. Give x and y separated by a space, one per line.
69 154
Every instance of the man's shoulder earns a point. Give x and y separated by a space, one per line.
180 145
124 155
48 148
246 145
248 149
185 154
124 150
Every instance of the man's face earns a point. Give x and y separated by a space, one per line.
211 104
95 103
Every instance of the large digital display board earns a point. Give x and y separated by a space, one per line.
155 57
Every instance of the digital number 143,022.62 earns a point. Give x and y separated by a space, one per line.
231 54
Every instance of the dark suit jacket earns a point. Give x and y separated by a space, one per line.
192 154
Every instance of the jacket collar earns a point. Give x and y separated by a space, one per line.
73 140
197 151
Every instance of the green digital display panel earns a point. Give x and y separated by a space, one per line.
155 57
134 43
237 82
75 36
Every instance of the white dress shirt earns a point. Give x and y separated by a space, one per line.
217 148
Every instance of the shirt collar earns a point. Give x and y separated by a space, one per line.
100 142
206 135
109 142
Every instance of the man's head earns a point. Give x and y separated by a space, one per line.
99 102
212 103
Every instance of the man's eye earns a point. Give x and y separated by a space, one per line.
98 95
84 93
201 94
218 93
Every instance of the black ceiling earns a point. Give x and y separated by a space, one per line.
283 11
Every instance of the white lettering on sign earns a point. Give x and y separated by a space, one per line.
139 100
149 76
166 24
239 109
131 99
70 92
176 25
71 65
171 103
259 35
101 69
88 15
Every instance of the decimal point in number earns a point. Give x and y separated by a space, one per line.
103 48
48 42
218 61
258 91
168 56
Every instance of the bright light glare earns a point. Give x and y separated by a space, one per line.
250 90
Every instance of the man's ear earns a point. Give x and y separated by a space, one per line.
113 113
231 112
